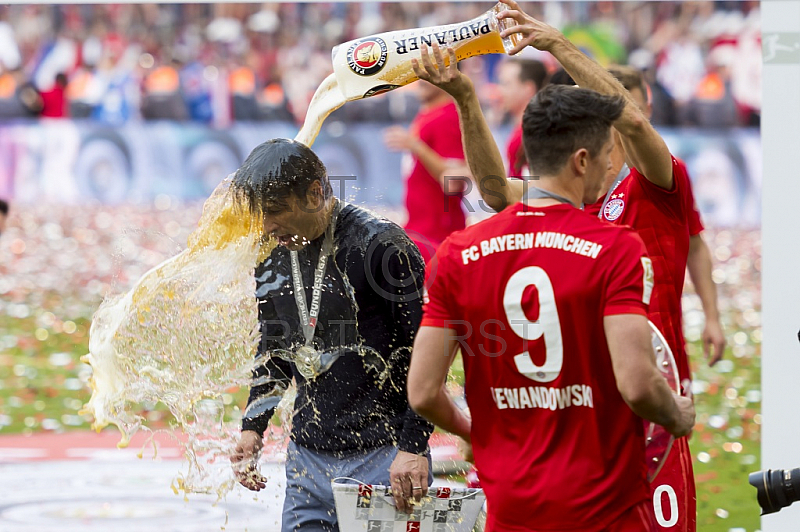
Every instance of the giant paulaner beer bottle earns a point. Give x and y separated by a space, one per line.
379 63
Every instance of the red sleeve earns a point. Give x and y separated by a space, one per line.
443 134
438 308
630 276
671 202
695 221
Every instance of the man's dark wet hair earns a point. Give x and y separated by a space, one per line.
560 120
3 207
275 170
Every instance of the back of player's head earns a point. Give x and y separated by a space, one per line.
277 169
3 207
560 120
531 70
629 77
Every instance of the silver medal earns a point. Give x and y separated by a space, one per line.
308 362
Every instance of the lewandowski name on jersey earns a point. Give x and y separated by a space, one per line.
543 397
540 239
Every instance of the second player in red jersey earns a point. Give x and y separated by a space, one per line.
553 437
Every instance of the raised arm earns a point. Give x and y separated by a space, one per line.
644 146
482 154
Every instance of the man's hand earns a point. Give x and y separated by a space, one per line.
533 32
245 461
446 77
398 138
409 476
685 423
713 342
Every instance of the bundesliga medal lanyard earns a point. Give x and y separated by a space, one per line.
307 359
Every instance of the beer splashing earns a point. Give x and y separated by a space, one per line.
183 335
326 100
186 333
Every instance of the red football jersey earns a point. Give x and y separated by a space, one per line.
663 219
695 221
556 446
432 214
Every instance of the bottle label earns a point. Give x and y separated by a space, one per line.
444 37
367 56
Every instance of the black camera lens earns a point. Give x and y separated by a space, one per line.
776 489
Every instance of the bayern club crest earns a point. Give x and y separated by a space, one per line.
368 56
613 209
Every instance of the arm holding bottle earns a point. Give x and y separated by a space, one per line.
644 146
483 156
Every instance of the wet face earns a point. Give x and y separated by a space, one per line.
296 221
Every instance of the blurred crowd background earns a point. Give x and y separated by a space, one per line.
218 63
117 121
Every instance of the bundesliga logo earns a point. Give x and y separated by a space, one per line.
613 209
367 57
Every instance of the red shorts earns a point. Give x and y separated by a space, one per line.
674 498
637 518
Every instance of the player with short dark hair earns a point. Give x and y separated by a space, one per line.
549 307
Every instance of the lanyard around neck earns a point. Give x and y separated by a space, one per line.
540 193
309 318
623 172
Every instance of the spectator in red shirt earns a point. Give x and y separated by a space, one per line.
433 190
54 101
519 81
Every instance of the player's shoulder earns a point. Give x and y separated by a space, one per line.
680 174
472 234
605 231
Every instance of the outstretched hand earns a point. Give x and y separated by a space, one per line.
245 461
533 32
443 74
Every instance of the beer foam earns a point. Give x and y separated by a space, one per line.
327 98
